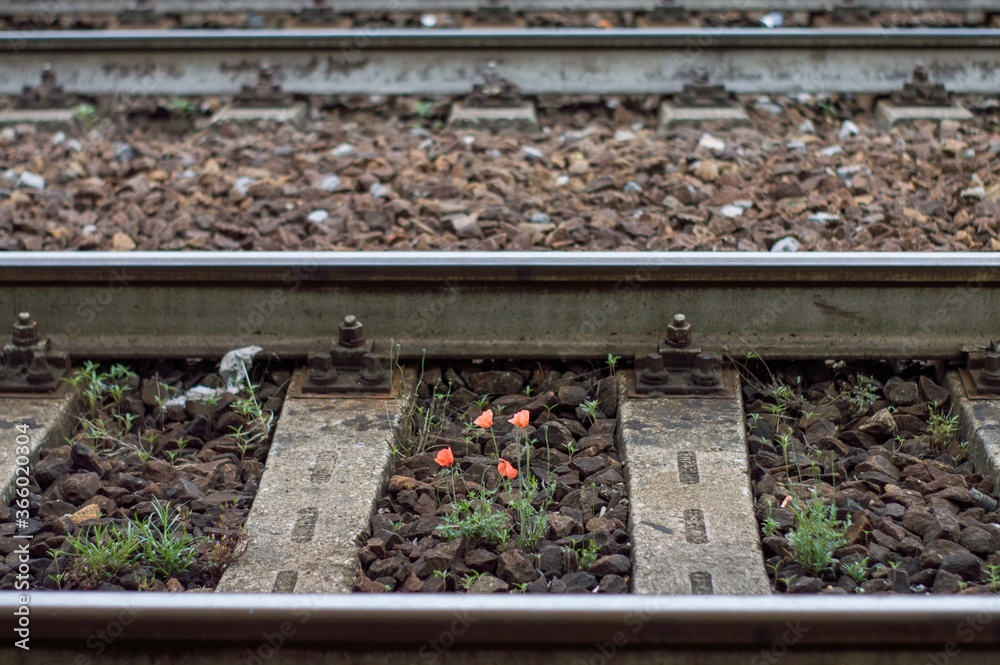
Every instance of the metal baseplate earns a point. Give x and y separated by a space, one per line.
700 93
350 367
28 363
921 91
680 369
490 90
981 374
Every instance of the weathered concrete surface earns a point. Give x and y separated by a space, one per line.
53 118
887 114
691 511
979 420
522 116
327 465
726 117
253 114
49 421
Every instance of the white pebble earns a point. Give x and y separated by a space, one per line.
329 183
428 20
342 150
31 180
562 179
831 150
532 151
318 216
243 184
624 135
823 217
787 244
632 186
847 128
709 142
378 190
731 211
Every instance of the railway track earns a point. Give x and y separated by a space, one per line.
530 306
446 62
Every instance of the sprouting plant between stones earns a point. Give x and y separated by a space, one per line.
817 534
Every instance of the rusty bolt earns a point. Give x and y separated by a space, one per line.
991 370
649 369
679 332
25 330
321 369
372 369
39 370
704 373
352 334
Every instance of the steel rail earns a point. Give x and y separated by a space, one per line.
508 305
540 61
395 621
61 7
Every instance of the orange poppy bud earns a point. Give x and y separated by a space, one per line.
506 470
445 457
485 420
521 419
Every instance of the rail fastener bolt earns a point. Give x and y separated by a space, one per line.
679 332
321 369
25 331
352 333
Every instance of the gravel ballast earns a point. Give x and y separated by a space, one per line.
386 174
479 504
143 456
863 486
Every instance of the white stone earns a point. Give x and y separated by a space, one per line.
330 183
428 20
624 135
31 181
823 217
731 211
786 244
318 216
772 20
532 151
831 150
709 142
378 190
973 193
342 150
632 186
807 127
562 179
58 138
243 184
847 128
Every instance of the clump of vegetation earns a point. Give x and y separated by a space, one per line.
862 395
159 542
817 534
941 426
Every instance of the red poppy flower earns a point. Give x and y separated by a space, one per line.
485 420
506 470
445 457
521 419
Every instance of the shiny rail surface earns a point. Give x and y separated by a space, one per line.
508 304
539 61
29 7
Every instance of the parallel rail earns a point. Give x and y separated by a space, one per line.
508 305
539 61
62 7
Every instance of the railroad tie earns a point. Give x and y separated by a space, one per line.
29 423
692 520
327 464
